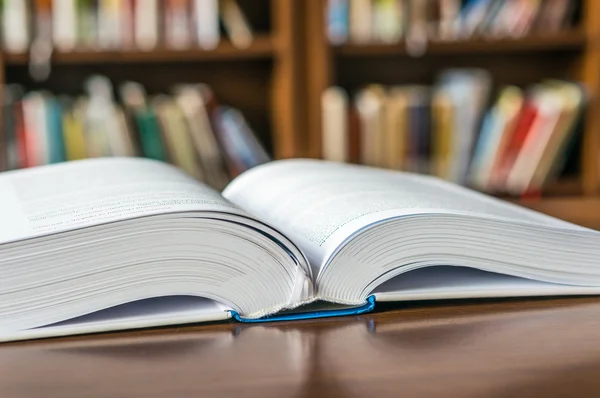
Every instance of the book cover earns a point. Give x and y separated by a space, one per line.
150 136
177 140
397 127
73 134
13 94
361 21
549 106
146 24
206 23
388 20
370 103
177 23
87 24
334 105
337 21
56 145
16 26
110 24
442 134
235 23
522 128
64 24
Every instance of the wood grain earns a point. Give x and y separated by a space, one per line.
319 72
588 74
286 106
542 348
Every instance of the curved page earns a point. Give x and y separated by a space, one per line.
322 204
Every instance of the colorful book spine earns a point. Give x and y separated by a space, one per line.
337 21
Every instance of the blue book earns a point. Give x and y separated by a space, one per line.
337 21
55 137
239 142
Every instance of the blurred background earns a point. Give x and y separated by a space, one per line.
497 95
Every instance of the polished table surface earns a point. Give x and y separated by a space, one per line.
514 348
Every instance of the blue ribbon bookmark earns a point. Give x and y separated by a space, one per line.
367 307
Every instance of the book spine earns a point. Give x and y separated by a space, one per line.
236 25
146 25
442 134
337 21
177 24
16 26
109 24
56 145
507 159
127 22
387 21
206 17
64 23
335 128
87 24
361 21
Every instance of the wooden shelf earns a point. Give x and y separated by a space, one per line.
261 47
569 40
578 209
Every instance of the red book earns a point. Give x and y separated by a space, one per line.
519 135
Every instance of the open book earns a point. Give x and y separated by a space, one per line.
120 243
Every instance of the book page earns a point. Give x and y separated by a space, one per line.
65 196
320 204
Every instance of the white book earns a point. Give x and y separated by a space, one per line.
16 26
64 24
370 106
121 243
110 24
361 21
206 13
334 105
146 24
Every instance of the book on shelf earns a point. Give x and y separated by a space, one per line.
417 21
211 142
336 145
69 25
286 240
517 144
206 23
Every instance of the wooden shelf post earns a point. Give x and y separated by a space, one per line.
287 99
319 71
590 75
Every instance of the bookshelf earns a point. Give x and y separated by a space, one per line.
571 54
261 79
277 81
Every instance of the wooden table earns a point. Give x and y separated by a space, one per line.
512 348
